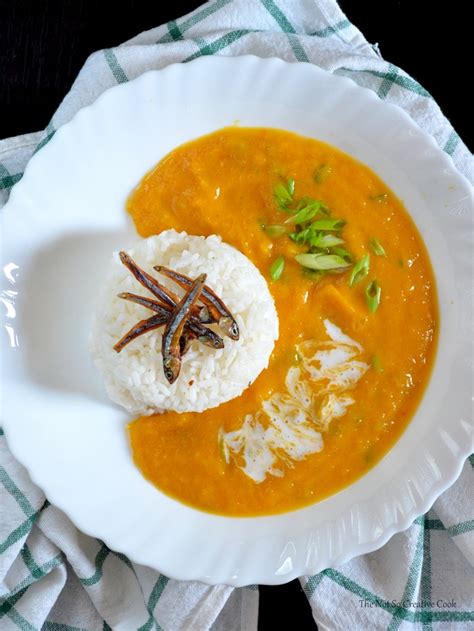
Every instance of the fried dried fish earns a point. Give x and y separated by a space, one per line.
183 318
216 308
170 347
194 327
144 326
164 295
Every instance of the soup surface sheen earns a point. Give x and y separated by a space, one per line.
224 184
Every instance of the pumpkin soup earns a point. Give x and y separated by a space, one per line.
356 302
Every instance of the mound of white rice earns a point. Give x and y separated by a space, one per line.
134 377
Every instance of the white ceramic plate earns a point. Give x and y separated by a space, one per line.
62 222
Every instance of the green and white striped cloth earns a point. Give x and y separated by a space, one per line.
55 578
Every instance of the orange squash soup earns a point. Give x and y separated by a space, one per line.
356 302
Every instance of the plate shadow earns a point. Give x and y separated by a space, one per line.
58 293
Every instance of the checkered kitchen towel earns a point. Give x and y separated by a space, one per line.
55 578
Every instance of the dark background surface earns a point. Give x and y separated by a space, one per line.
44 43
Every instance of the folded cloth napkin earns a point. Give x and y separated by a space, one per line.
55 578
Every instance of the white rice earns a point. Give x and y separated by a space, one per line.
134 377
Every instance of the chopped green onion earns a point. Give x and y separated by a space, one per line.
302 236
275 231
322 173
324 255
305 214
291 186
321 240
299 237
276 268
377 247
284 194
303 202
325 210
373 293
360 270
328 224
381 199
319 261
377 364
343 253
400 262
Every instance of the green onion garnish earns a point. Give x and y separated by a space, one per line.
302 236
316 238
377 247
377 364
373 293
299 237
276 268
381 199
275 231
319 261
343 253
325 210
321 240
328 224
290 185
284 194
303 202
324 254
322 173
360 270
305 214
